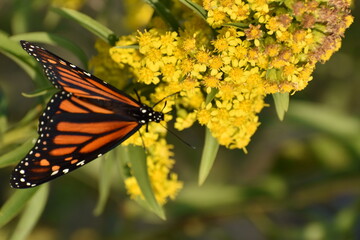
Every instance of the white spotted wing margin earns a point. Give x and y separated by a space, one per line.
86 119
66 76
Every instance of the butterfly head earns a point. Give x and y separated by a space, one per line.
147 114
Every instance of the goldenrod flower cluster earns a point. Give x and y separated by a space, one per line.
283 39
223 66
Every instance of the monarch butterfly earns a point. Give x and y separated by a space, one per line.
85 119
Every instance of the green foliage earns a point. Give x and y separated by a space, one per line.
87 22
15 204
281 101
299 180
136 157
31 214
195 7
55 40
164 12
211 147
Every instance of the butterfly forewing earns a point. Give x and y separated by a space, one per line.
86 119
67 76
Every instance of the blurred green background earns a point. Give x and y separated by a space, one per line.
299 180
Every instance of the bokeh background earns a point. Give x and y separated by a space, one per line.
299 180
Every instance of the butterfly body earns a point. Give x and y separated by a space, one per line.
84 120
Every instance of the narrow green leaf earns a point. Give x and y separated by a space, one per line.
19 135
16 154
121 162
137 159
281 101
3 115
211 95
106 167
31 214
199 10
15 204
238 25
55 40
328 120
89 23
209 153
164 13
39 92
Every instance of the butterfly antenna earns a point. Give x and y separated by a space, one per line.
164 106
179 138
165 98
137 95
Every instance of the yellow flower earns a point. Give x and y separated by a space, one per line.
216 17
186 65
215 62
236 75
211 81
202 57
239 12
220 44
185 122
250 48
164 183
105 68
189 44
147 76
168 43
147 41
253 32
170 73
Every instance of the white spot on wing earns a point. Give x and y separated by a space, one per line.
80 163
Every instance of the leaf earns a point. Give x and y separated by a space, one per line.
3 115
39 92
137 159
55 40
199 10
15 204
328 120
211 95
31 214
209 153
211 196
107 165
16 154
164 13
237 25
14 51
281 101
89 23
